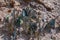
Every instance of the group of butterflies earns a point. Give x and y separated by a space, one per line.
32 26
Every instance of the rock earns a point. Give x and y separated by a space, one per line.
17 3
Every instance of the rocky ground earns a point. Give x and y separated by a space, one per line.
44 9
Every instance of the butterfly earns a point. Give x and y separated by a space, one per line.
24 13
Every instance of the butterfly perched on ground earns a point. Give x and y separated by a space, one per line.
24 13
51 24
